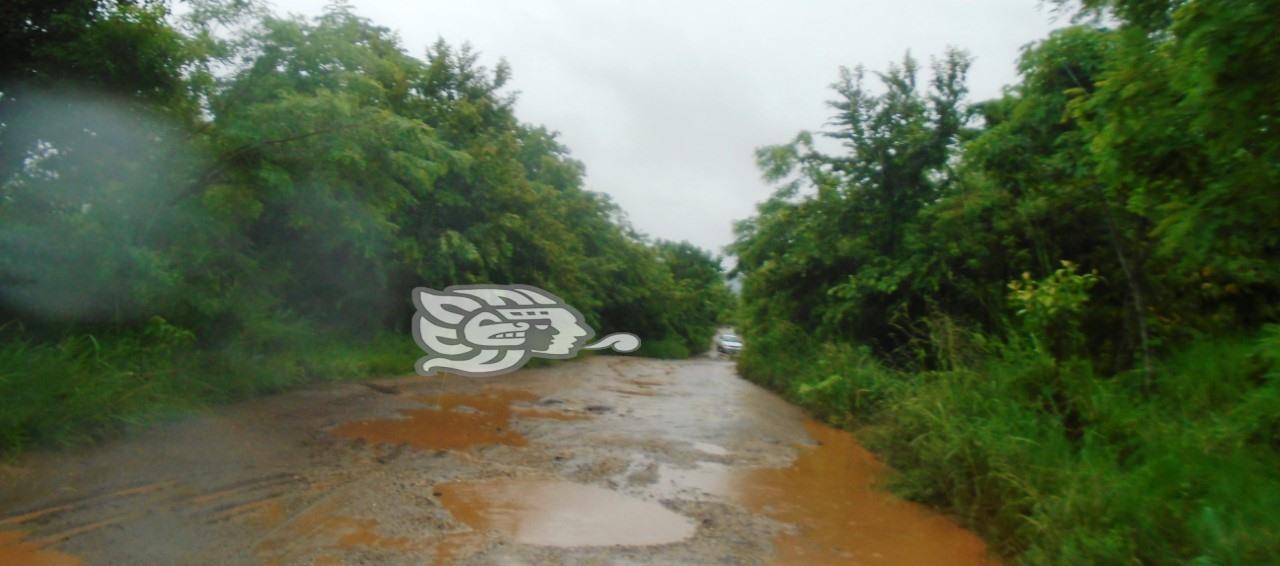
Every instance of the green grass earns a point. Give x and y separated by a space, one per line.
1056 465
85 387
666 348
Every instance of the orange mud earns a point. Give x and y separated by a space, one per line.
16 551
458 421
829 493
321 527
689 476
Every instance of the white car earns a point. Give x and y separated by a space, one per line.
728 344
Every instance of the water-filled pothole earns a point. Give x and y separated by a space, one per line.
457 421
559 513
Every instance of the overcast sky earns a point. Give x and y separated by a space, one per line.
665 101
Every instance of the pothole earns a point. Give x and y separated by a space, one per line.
562 514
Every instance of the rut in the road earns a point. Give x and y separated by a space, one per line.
599 461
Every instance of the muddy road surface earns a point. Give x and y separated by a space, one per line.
606 460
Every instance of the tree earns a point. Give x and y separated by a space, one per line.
839 259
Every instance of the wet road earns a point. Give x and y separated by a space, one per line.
606 460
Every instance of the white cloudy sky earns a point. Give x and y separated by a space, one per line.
666 100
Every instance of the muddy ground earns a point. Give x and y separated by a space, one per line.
606 460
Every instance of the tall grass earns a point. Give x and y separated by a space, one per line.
84 387
1057 465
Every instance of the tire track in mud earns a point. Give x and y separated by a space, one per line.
74 504
543 466
44 526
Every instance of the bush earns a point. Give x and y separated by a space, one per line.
84 387
667 348
1057 465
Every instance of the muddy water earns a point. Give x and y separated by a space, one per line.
564 514
622 460
14 549
830 494
457 421
831 497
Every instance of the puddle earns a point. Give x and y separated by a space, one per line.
456 422
15 550
562 514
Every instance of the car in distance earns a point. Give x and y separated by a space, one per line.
728 344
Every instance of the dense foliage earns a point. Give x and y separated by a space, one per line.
1055 310
199 209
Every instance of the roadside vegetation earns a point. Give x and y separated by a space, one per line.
204 208
1053 312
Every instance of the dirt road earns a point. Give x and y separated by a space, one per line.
606 460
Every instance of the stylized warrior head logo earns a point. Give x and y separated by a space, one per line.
481 330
